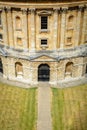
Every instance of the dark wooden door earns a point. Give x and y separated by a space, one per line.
43 72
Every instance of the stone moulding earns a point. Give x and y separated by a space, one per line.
80 51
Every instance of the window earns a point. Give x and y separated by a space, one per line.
0 19
44 42
85 38
86 69
19 41
1 66
69 40
44 22
18 23
1 37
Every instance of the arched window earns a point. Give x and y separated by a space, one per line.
68 69
1 67
18 23
70 20
18 69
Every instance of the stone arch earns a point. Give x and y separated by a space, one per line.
18 69
18 22
68 69
43 72
1 66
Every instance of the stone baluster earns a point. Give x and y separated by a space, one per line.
55 25
10 26
63 26
84 27
78 25
32 26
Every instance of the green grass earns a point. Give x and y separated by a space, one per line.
17 108
69 108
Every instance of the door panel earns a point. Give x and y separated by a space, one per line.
43 72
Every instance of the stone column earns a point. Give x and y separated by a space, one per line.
63 27
10 26
32 26
25 28
4 26
78 26
84 27
55 25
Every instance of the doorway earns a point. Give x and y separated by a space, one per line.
43 72
1 67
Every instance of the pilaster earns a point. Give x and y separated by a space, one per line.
10 26
84 26
78 25
55 27
32 28
25 27
4 26
63 26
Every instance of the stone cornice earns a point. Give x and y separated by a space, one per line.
46 5
80 51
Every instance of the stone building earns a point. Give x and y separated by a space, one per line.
43 41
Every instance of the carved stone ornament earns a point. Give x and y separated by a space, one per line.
44 12
64 9
24 10
56 10
32 10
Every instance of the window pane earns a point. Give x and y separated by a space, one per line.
44 22
44 42
1 37
0 18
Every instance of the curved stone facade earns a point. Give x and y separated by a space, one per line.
50 35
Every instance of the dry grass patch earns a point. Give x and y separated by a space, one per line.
69 108
17 108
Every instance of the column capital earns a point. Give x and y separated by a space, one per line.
56 9
2 9
80 7
8 9
64 9
32 10
86 7
24 10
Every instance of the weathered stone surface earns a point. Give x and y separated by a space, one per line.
66 36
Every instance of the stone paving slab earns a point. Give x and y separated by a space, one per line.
44 121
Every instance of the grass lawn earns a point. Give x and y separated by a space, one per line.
69 108
17 108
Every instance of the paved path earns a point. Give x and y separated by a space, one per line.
44 121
